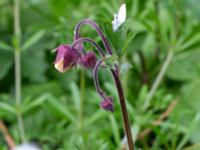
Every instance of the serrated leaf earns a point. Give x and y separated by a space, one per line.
128 40
116 38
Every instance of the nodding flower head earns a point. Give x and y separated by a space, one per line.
107 104
89 60
66 58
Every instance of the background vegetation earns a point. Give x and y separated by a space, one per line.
61 111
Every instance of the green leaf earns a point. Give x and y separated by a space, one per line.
31 91
127 42
190 94
61 109
185 66
116 38
193 147
193 129
115 129
35 103
143 93
110 61
32 40
6 61
190 42
95 117
7 107
76 95
34 65
4 46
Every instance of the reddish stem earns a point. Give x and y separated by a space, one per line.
123 109
115 72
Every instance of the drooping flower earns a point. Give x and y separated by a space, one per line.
119 18
107 104
89 60
66 58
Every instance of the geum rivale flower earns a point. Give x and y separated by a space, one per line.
66 58
89 60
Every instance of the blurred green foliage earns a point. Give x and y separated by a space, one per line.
61 111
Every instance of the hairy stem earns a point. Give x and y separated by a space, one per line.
96 80
158 79
80 40
98 30
114 72
17 34
124 110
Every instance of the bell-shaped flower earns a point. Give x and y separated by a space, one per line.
89 60
66 58
107 104
119 18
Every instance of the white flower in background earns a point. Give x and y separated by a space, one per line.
26 146
119 18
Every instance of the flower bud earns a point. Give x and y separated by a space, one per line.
66 58
107 104
89 60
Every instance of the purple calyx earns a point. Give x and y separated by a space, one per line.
66 58
88 60
107 104
69 56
